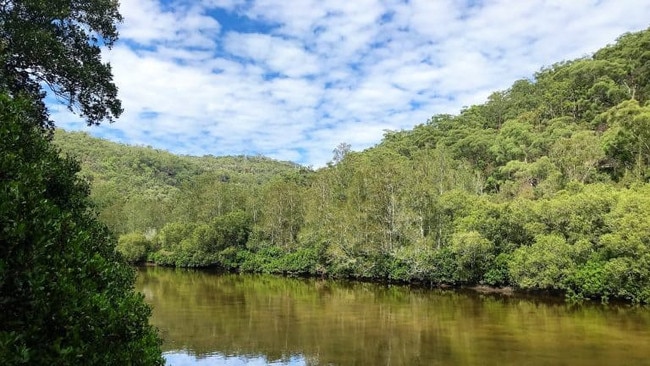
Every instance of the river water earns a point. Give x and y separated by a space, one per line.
227 319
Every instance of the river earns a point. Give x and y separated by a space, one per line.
228 319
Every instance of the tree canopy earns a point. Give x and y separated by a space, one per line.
58 44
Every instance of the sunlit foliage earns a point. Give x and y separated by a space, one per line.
542 187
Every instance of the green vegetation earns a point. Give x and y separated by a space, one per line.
543 187
140 188
66 295
58 43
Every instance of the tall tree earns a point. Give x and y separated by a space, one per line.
58 43
66 296
627 141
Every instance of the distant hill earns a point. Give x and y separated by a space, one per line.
107 160
122 175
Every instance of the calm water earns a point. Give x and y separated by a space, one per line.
217 319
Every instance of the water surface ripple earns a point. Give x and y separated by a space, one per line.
228 319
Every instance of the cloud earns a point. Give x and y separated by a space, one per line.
275 53
147 23
293 79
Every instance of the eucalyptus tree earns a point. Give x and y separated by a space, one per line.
627 141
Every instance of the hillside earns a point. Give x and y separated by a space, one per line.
138 188
542 187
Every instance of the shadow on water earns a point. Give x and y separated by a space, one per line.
230 319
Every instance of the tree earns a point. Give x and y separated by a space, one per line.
628 139
133 247
474 254
514 142
172 234
57 43
282 213
547 264
631 50
578 156
232 229
66 296
340 152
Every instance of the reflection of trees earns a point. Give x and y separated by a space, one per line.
346 324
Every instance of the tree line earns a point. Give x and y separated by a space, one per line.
542 187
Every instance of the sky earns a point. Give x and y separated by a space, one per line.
292 79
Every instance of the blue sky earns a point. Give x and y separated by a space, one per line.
179 358
293 79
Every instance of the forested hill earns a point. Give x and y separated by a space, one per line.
585 120
108 160
148 182
543 187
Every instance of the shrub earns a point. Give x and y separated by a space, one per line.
66 297
134 247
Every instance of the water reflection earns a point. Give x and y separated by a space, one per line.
176 358
262 320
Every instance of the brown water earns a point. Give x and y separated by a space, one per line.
225 319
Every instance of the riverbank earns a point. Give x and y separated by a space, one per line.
501 291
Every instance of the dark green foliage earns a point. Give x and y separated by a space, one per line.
66 296
444 268
231 230
497 274
474 255
201 244
57 43
133 247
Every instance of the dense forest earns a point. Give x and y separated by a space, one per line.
542 187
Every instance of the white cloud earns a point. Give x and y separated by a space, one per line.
278 54
147 23
292 79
